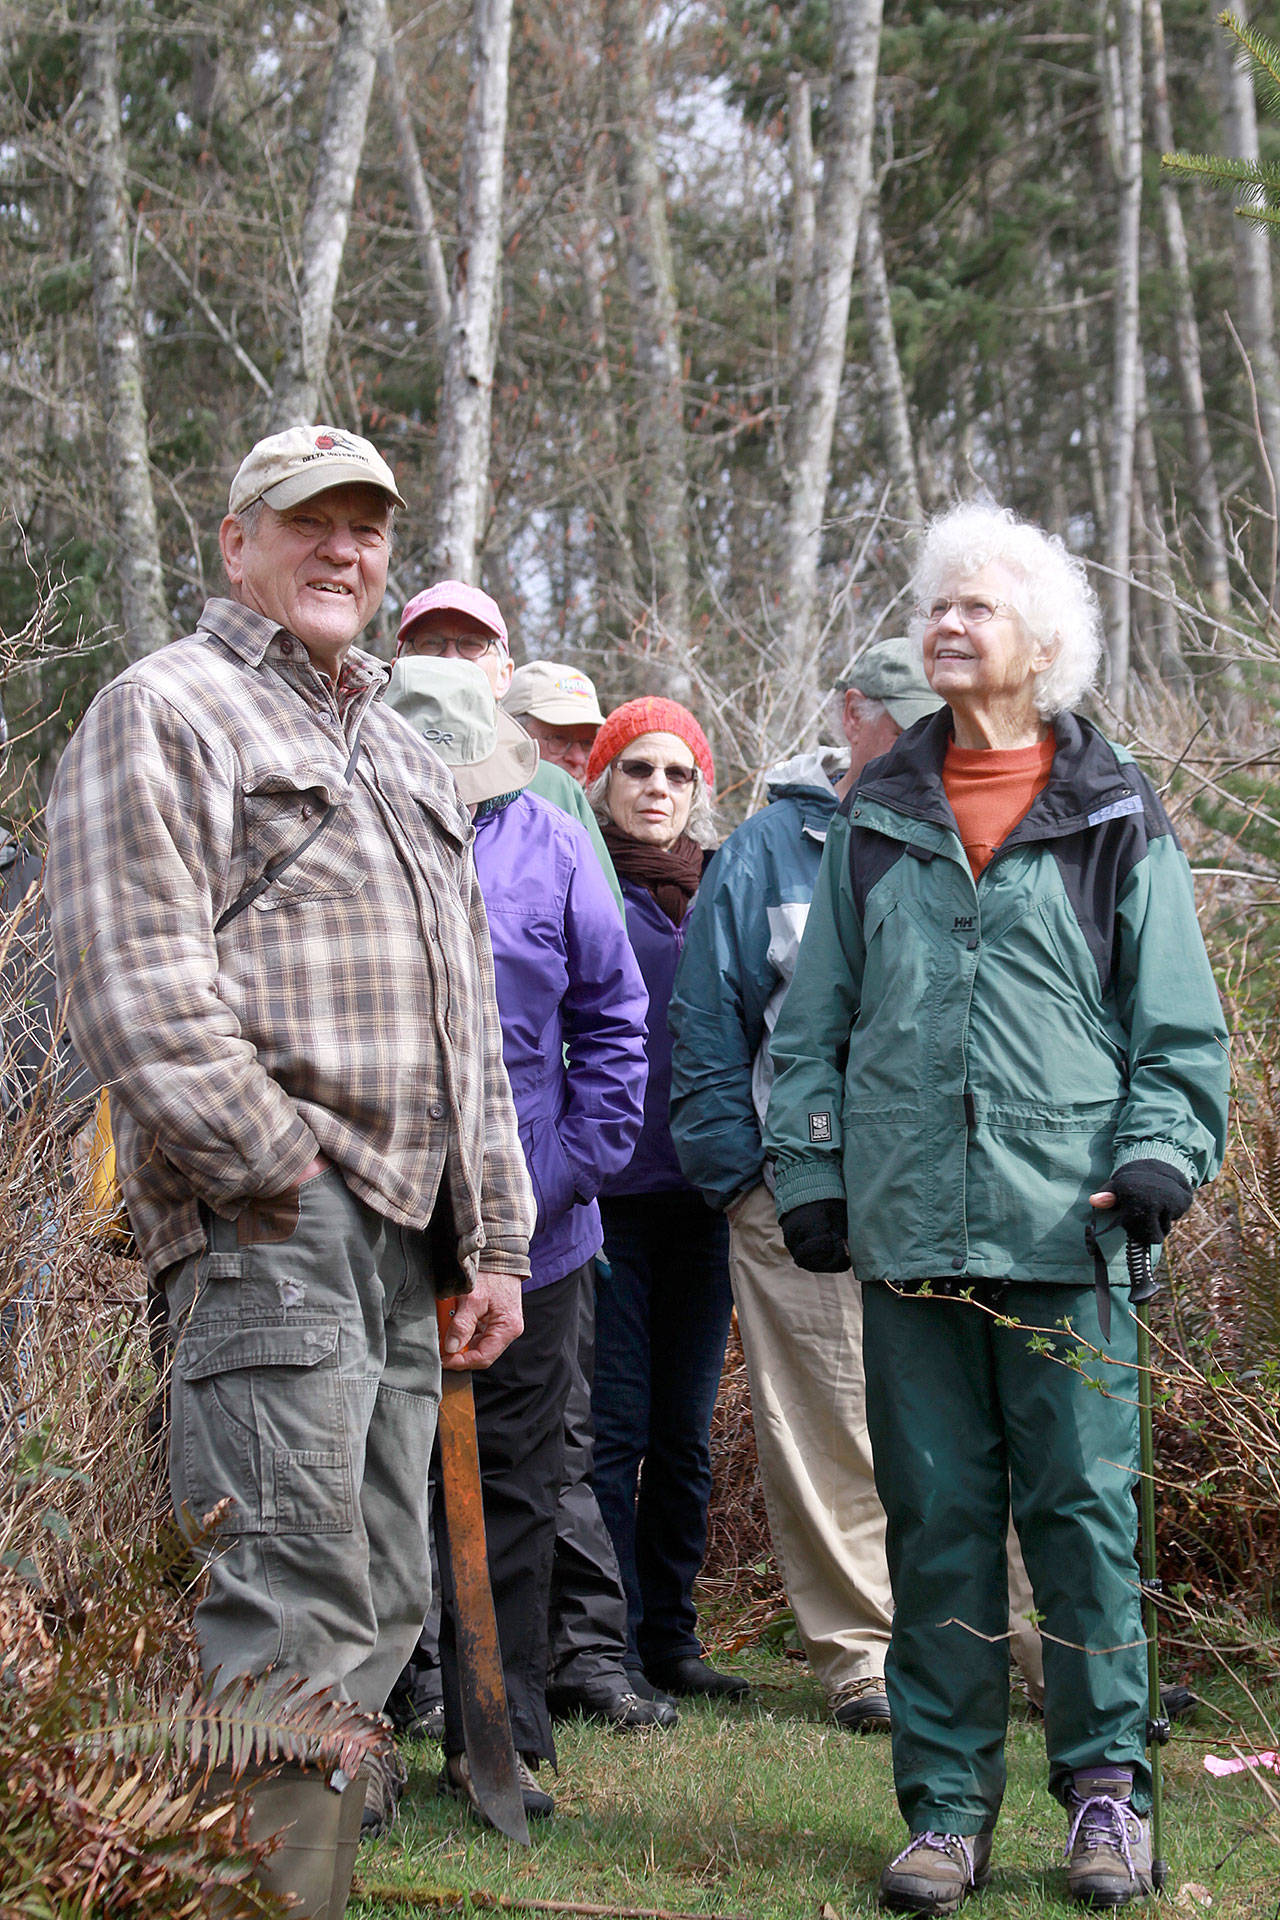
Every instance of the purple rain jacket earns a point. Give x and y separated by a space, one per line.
567 980
658 944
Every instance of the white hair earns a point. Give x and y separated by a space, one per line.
700 826
1053 597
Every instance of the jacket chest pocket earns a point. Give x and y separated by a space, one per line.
282 810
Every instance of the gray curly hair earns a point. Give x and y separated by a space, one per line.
1053 597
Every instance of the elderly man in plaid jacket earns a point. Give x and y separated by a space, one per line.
274 952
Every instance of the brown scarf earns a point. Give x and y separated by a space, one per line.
670 873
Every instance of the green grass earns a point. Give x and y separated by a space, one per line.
767 1811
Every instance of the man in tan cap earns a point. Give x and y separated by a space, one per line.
270 934
558 706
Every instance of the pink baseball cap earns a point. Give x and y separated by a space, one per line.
455 596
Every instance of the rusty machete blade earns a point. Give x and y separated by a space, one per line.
486 1726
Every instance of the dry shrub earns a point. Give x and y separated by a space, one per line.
1218 1411
107 1738
741 1584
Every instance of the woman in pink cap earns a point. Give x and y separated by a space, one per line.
662 1291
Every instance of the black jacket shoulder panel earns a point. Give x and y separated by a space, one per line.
1096 860
871 855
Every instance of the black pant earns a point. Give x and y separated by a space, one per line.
520 1402
662 1320
588 1605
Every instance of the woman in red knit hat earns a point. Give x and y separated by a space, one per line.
662 1292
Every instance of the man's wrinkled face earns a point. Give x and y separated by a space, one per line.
567 747
318 569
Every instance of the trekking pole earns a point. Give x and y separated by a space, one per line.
1142 1287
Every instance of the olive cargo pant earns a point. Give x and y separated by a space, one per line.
964 1415
304 1386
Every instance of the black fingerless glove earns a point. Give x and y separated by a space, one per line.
1150 1196
817 1235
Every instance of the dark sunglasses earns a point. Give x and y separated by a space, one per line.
676 776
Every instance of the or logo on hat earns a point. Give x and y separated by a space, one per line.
324 441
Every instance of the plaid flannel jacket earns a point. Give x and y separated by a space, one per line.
350 1008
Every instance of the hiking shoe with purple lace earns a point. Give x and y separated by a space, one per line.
1108 1844
935 1871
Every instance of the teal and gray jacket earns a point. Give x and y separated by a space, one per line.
966 1061
742 939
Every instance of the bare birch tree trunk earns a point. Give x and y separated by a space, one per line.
413 182
800 160
1252 248
362 27
1204 479
1168 662
615 565
816 386
115 318
1122 68
655 329
1090 412
895 419
466 400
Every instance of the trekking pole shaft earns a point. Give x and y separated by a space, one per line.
1142 1287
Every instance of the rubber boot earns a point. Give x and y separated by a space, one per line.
344 1857
305 1810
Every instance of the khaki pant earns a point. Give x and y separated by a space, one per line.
802 1338
304 1387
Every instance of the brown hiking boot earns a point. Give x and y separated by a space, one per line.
861 1706
385 1776
935 1871
1108 1845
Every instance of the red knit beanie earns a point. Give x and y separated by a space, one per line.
650 715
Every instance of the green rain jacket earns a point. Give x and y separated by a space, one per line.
966 1062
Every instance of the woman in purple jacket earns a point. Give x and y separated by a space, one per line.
662 1294
572 1006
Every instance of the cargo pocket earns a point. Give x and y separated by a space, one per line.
258 1418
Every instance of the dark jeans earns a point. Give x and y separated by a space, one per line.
520 1403
662 1320
588 1605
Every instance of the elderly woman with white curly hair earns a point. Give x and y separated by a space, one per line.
1002 1027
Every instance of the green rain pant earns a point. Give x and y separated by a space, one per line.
964 1415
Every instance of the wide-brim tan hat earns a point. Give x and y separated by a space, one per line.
558 695
451 705
287 468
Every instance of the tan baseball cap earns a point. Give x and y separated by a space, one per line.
892 672
287 468
561 696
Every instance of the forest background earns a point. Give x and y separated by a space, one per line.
675 318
